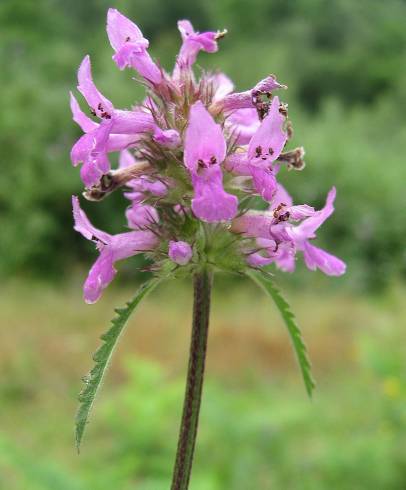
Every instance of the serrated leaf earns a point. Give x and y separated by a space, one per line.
102 357
266 283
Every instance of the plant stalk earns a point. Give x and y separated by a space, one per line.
194 383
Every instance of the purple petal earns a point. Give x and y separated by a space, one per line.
83 225
317 258
285 260
281 197
141 216
140 60
254 224
264 182
238 164
309 226
126 55
222 86
136 197
244 123
119 142
269 141
193 42
100 276
130 46
132 122
82 148
267 85
258 260
139 122
259 224
301 211
282 254
180 252
211 203
91 149
204 139
245 100
205 149
238 100
100 105
86 124
120 247
126 159
146 185
120 29
169 138
92 170
112 248
126 245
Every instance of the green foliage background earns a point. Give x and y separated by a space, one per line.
342 60
344 63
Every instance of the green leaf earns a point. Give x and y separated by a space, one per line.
102 357
266 283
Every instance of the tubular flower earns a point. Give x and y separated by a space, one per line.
111 247
192 43
197 162
130 46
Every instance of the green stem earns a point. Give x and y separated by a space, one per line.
194 383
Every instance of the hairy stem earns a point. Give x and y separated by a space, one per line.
194 383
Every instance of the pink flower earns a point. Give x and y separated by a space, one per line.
316 258
91 149
111 247
205 150
278 238
192 43
130 46
118 129
264 148
247 99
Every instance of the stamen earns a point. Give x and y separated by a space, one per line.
220 34
294 158
283 109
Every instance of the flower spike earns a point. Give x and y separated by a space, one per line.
199 166
197 151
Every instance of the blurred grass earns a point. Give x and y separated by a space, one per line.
258 429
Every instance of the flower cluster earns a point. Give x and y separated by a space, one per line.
197 162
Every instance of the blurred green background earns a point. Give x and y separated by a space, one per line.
344 63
